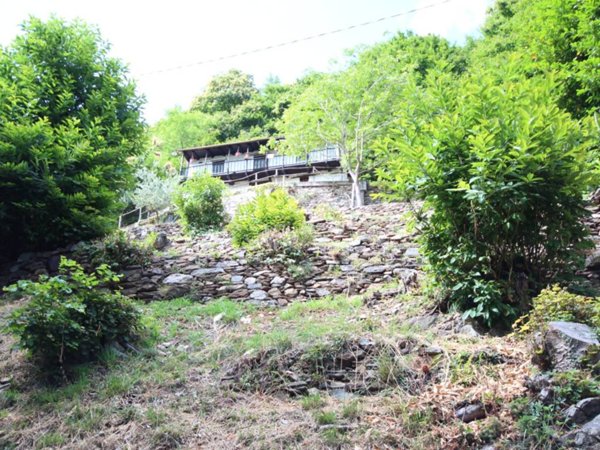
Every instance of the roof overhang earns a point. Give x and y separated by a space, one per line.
228 148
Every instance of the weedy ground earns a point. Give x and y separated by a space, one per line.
228 375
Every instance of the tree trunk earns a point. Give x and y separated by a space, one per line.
356 199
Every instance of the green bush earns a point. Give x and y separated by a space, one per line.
69 318
502 171
199 203
117 251
274 210
557 304
285 247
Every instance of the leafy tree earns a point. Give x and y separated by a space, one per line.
502 171
69 121
199 202
558 36
153 192
354 108
225 92
180 129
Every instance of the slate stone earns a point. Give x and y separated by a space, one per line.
584 410
566 343
470 413
178 278
375 269
588 436
258 295
207 271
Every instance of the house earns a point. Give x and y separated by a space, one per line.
242 162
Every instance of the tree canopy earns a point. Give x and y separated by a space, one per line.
69 121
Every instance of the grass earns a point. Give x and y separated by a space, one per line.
172 393
340 303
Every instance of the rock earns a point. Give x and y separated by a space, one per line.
347 268
470 413
566 343
412 252
258 295
422 322
469 330
584 410
408 276
161 241
227 264
254 286
290 292
250 280
375 269
207 271
538 382
322 292
588 436
277 281
239 293
178 278
592 262
546 395
236 279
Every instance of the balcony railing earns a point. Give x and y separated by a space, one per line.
262 163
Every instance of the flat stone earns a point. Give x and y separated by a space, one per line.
254 286
412 252
258 295
375 269
588 436
250 280
178 278
290 292
207 271
276 281
237 279
470 413
322 292
347 268
584 410
566 343
226 264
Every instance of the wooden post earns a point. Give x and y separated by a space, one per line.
140 215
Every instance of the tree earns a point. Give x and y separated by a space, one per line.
181 129
558 36
355 107
69 122
225 92
502 171
153 192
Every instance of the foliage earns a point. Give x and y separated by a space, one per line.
502 171
282 247
180 129
199 202
540 423
117 251
69 121
69 318
153 192
269 210
557 304
557 36
225 92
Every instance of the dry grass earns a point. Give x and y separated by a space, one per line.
172 395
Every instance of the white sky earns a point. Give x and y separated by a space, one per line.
154 35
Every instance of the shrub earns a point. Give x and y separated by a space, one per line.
153 192
117 251
286 247
502 171
555 304
274 210
69 318
199 203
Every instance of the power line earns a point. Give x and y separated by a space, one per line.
295 41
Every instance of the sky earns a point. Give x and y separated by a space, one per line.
154 36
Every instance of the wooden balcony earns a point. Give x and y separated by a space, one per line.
260 166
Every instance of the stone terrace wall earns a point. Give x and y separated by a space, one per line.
369 246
